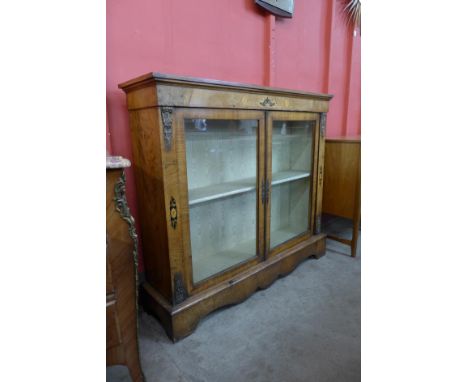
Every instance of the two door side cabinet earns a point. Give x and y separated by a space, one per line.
229 182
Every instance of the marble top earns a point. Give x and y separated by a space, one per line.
117 162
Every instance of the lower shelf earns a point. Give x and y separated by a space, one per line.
223 190
181 320
211 264
282 235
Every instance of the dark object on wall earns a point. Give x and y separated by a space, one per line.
281 8
342 184
121 273
227 208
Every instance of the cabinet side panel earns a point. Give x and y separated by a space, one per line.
341 178
174 197
150 196
142 97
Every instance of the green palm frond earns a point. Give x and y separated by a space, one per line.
353 12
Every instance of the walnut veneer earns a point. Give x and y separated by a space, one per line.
229 181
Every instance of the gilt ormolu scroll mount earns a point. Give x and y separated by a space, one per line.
323 124
166 115
268 102
318 224
180 292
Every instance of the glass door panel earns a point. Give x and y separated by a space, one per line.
291 176
221 162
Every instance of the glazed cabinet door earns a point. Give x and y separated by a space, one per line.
292 154
221 167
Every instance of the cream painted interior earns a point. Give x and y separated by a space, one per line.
221 171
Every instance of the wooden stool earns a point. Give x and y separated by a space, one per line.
342 184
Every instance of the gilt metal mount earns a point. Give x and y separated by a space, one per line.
121 206
166 115
265 191
318 224
323 124
268 102
180 292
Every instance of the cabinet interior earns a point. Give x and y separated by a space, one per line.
221 157
291 155
221 160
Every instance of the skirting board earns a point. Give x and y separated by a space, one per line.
181 320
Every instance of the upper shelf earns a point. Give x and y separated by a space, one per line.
288 176
222 190
216 191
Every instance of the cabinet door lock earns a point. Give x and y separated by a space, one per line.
265 191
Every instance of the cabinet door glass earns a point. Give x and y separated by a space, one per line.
221 157
292 143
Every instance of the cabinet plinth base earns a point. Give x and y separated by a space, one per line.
181 320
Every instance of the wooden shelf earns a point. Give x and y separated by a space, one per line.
204 135
288 176
222 190
284 138
282 235
212 263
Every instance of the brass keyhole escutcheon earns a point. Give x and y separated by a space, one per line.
173 212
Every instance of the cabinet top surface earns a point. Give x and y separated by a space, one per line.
116 162
155 77
350 139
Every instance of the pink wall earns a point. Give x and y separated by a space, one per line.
232 40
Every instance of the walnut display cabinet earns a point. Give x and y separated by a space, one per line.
229 181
